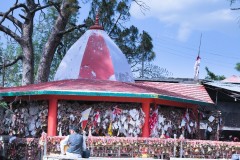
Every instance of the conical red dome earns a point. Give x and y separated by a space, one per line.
94 56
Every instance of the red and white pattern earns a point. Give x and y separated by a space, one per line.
196 68
94 56
153 123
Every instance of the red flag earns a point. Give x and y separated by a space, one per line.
96 118
153 121
117 111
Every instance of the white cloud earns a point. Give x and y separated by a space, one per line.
184 32
188 15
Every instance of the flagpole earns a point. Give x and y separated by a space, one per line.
200 45
197 63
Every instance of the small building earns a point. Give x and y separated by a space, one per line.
226 95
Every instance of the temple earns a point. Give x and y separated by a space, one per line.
95 76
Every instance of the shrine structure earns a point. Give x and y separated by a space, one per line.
95 70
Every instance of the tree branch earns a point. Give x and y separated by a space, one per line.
235 8
56 5
142 5
23 17
11 33
12 19
21 5
20 57
115 24
71 29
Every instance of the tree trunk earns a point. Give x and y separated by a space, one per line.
52 43
28 67
27 47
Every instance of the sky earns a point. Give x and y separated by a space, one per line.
176 26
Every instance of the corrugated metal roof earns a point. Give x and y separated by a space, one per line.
189 93
227 86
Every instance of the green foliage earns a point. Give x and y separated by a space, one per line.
146 47
237 67
10 76
212 76
3 104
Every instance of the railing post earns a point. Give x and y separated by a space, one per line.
45 148
181 149
174 149
181 145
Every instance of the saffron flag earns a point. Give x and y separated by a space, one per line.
196 68
110 129
153 122
84 118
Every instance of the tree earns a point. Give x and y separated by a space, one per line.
44 44
155 72
237 67
145 48
11 74
24 27
212 76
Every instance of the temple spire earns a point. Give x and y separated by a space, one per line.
96 25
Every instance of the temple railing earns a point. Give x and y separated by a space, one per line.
129 147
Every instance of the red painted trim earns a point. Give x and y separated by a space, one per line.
146 110
105 99
175 104
52 117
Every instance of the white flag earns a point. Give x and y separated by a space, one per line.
85 114
196 68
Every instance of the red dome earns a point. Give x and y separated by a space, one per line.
95 56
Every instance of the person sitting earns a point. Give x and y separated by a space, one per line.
76 143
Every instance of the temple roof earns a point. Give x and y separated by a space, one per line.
193 93
95 56
232 79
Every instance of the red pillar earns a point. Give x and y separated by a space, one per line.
52 117
146 110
